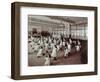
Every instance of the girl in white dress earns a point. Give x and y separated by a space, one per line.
32 43
39 42
29 48
32 38
70 41
64 44
39 54
54 41
66 53
50 41
46 46
69 47
47 60
42 44
78 47
54 52
52 45
36 47
61 44
79 42
58 47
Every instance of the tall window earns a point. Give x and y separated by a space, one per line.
79 31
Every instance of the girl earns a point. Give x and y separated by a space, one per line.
39 54
63 43
54 52
47 60
70 41
66 53
69 47
36 47
78 47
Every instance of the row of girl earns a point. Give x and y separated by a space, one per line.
50 47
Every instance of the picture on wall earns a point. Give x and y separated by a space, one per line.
53 40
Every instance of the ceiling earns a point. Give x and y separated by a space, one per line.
55 20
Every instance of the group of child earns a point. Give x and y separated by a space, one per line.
49 47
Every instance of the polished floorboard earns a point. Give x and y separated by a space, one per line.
73 58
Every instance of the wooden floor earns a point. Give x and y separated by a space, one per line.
73 58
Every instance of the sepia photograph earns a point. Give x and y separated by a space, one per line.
50 40
57 40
